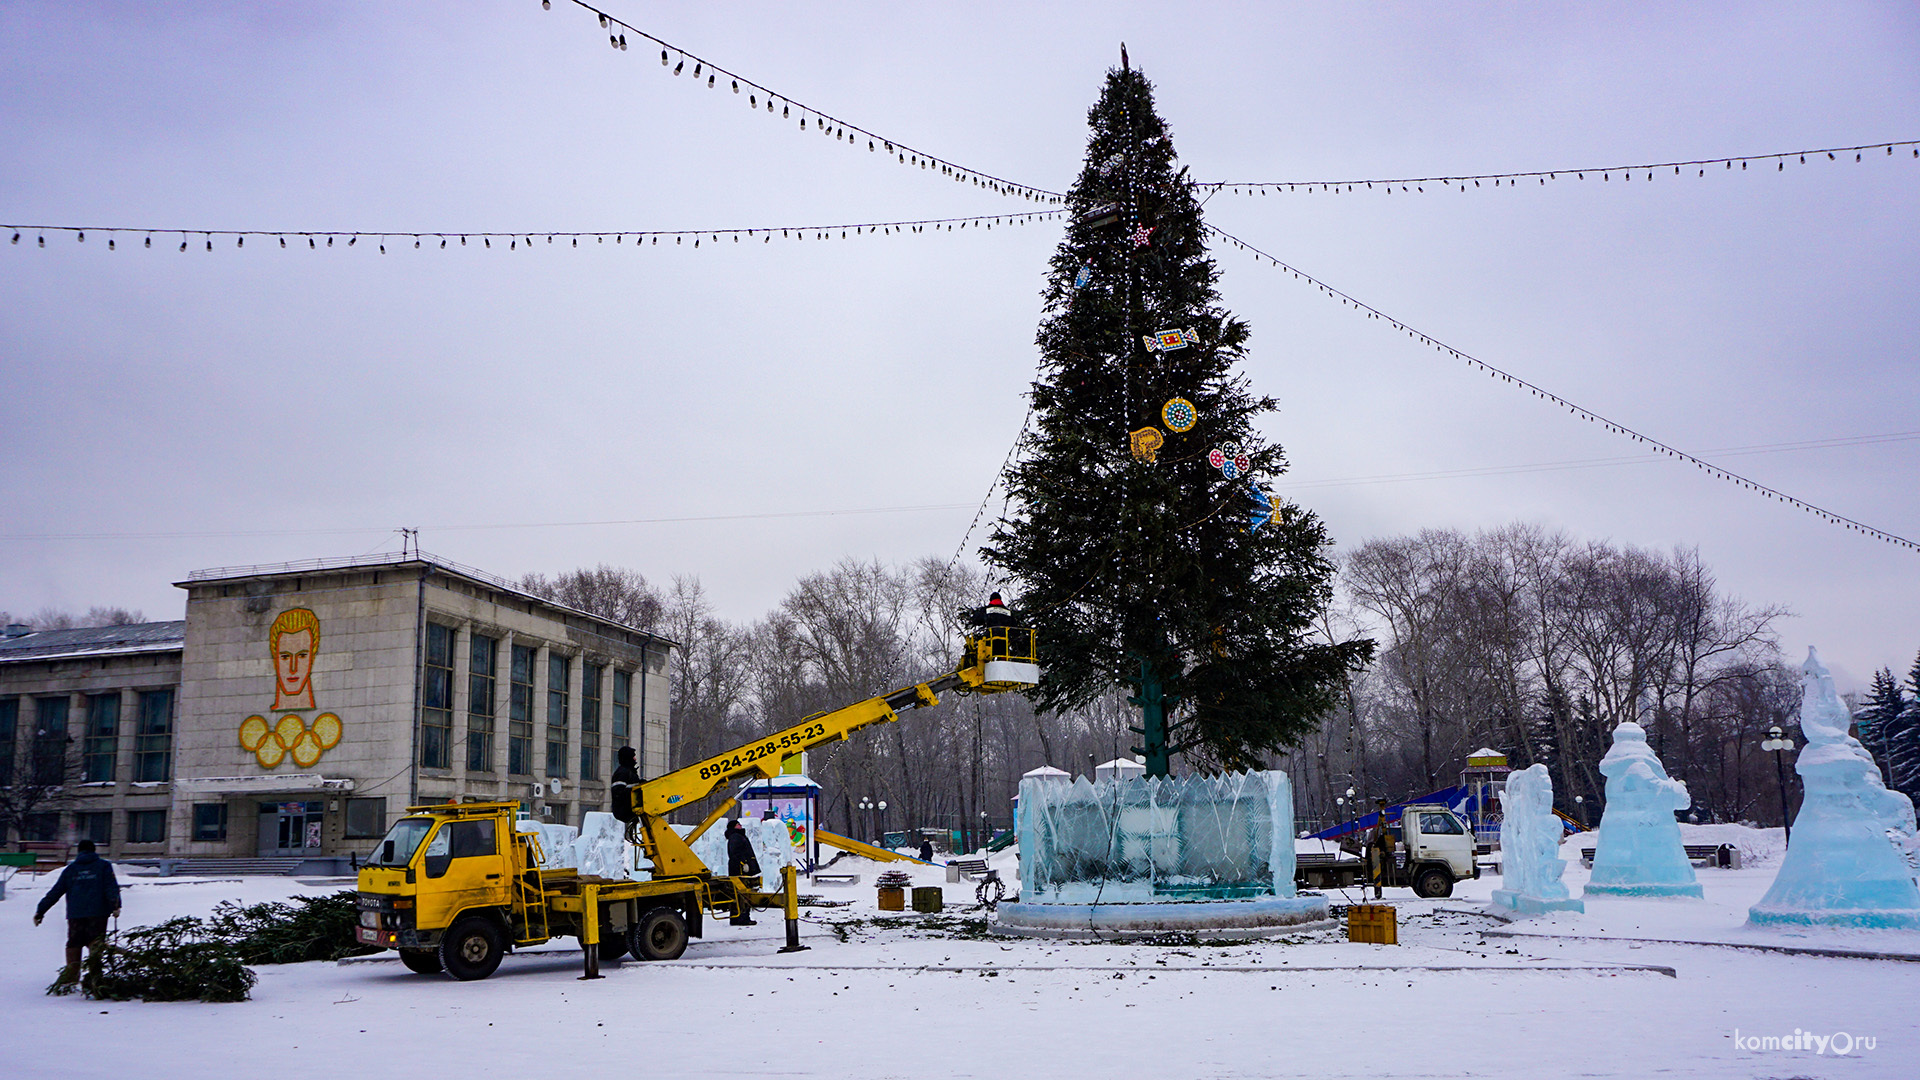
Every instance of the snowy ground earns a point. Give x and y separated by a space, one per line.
930 996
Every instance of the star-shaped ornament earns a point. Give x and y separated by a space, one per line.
1142 235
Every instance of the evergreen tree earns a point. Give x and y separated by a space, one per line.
1142 564
1879 717
1902 740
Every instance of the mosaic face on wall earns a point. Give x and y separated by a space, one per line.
292 641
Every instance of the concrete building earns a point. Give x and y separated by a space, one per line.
312 702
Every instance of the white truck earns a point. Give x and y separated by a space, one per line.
1433 848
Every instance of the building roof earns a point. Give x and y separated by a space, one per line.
151 637
398 559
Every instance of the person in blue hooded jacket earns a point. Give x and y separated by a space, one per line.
93 896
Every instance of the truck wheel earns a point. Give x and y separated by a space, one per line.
661 934
421 961
1433 883
472 949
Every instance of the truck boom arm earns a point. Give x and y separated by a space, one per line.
995 660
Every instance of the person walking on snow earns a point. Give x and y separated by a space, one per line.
93 896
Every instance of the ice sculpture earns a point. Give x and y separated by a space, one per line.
601 849
556 841
1842 867
772 846
1639 852
1530 847
1156 841
1201 855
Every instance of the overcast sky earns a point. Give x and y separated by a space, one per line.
253 405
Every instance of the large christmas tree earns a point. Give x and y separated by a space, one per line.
1147 542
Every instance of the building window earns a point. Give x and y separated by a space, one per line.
483 653
210 821
520 712
96 826
9 725
153 739
591 676
50 741
559 669
40 828
366 817
622 706
436 699
103 738
146 826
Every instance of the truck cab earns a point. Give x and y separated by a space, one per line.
1438 848
433 866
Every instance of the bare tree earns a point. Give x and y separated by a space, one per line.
611 592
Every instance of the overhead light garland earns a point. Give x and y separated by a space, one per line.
1589 415
760 97
315 239
1416 185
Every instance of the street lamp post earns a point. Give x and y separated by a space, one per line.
866 809
986 834
1778 742
1580 808
881 837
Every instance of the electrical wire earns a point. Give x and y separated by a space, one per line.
823 121
1589 415
514 240
1417 184
487 527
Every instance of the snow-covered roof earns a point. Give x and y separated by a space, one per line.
1122 764
1045 770
1486 752
152 637
785 780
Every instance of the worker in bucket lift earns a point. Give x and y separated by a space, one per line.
996 613
1379 850
625 779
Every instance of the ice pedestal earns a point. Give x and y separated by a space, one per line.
1842 866
1639 851
1202 855
1530 847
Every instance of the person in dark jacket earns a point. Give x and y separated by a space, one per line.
741 863
93 897
625 779
926 845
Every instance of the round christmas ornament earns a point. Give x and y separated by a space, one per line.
1216 458
1243 462
1179 415
1230 471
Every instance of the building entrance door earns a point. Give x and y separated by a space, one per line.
290 828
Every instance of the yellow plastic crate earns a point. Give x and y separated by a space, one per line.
1373 924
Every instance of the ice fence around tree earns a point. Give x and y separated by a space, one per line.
1160 840
1843 867
1199 854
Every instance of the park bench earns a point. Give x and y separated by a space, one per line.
1724 856
970 868
48 854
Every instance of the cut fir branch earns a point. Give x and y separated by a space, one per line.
1139 558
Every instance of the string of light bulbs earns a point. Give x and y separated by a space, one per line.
204 238
1589 415
758 96
1416 185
